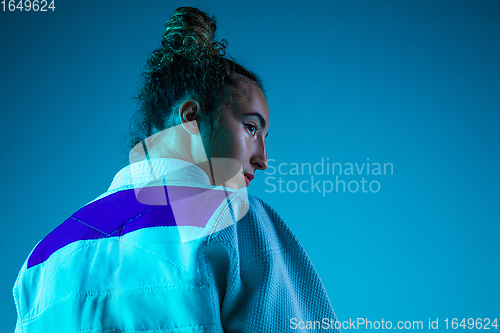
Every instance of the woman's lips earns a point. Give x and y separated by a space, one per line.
248 178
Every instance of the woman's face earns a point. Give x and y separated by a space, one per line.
242 128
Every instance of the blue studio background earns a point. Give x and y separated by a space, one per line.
414 83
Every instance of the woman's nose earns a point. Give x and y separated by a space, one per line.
259 159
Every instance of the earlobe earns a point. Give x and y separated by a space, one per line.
189 112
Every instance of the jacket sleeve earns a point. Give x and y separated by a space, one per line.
264 280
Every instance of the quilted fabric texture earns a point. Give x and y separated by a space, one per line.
262 276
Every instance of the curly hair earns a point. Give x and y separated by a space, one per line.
189 64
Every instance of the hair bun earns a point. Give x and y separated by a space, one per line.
190 32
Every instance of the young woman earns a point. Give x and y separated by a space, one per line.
176 244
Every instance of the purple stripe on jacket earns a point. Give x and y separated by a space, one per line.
120 213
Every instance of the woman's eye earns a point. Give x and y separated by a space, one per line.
252 128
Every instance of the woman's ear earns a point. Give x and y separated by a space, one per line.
189 115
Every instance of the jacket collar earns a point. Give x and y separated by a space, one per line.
166 171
